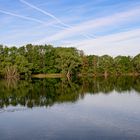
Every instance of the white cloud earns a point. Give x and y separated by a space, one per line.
93 24
124 43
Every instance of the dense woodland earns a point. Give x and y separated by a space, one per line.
46 59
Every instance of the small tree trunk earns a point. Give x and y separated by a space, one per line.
105 74
68 75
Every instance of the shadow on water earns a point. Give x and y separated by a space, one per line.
46 92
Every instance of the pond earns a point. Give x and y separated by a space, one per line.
57 109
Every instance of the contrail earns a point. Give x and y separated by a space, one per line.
51 15
28 18
20 16
44 12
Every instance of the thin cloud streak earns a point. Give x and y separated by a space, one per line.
94 24
30 19
20 16
44 12
52 16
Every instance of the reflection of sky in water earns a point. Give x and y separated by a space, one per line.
99 116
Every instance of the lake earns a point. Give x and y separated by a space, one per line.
81 109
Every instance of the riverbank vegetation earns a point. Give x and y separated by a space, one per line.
61 61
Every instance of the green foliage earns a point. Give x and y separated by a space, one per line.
50 57
123 64
36 59
136 63
23 66
67 60
105 64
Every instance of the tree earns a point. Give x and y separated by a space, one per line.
33 59
123 64
136 63
67 60
11 72
50 56
23 66
105 64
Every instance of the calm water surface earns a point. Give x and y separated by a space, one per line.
56 109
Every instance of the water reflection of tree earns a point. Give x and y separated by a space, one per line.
46 92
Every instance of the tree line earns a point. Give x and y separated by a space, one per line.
46 59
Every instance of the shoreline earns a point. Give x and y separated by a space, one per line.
59 75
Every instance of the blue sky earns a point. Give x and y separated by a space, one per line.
95 26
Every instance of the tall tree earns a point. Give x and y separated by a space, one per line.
67 60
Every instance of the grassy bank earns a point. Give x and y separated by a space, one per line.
57 75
